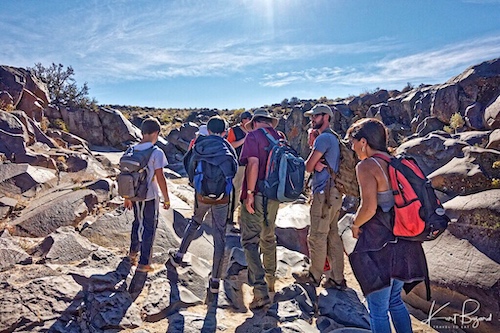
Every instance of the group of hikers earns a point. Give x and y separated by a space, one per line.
382 263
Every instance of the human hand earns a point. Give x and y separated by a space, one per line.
166 204
319 167
356 231
249 204
127 204
313 134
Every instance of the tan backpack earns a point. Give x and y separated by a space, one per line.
345 179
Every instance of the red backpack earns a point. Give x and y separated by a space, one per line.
419 215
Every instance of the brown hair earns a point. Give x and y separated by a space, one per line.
150 125
373 130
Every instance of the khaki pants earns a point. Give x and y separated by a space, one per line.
323 239
238 183
258 238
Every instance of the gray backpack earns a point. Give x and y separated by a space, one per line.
133 177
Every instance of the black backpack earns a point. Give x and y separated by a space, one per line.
133 177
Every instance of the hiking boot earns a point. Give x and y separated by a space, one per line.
144 268
174 258
305 277
259 302
331 284
133 257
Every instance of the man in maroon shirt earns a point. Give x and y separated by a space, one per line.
257 231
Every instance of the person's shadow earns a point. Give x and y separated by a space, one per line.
102 302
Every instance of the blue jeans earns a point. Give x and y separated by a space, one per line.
144 229
219 220
386 300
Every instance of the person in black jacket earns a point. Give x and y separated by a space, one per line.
213 149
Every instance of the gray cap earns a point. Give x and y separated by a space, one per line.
319 109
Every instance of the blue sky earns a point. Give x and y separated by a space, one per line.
246 54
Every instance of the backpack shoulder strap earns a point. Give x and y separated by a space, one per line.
269 137
383 157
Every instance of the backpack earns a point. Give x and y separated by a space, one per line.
345 178
211 176
285 170
133 177
419 215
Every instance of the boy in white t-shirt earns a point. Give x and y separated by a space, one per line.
146 212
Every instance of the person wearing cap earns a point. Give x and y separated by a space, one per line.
236 137
257 232
202 131
323 238
212 146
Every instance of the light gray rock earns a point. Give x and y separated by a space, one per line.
65 246
23 179
472 173
492 114
432 151
476 218
65 208
11 253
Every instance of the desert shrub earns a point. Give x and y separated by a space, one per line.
456 121
62 86
60 124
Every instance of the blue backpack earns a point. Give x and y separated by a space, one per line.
211 166
285 170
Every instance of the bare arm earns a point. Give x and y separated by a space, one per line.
238 143
162 183
368 192
251 175
312 161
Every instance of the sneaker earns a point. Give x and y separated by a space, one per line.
331 284
144 268
174 258
260 302
134 258
305 277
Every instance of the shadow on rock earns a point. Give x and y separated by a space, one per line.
103 303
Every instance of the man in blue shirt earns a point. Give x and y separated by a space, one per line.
323 239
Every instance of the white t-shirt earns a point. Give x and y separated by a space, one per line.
158 160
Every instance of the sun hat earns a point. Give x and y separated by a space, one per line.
319 109
202 130
261 113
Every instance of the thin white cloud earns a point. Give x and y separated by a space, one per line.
434 66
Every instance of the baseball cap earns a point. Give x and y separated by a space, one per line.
202 130
319 109
245 115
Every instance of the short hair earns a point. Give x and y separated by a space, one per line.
216 125
150 125
373 130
